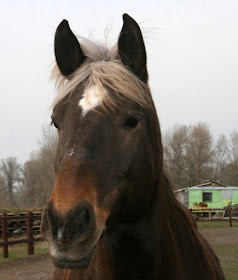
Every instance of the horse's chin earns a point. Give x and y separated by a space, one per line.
76 264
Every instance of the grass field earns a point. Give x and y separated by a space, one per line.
217 224
20 250
228 255
225 245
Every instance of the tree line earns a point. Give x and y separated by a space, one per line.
30 184
191 155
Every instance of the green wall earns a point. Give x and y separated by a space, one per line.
194 196
217 201
235 197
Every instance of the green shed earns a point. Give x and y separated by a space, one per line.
211 195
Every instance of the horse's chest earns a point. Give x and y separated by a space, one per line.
134 254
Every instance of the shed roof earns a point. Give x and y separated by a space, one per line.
210 183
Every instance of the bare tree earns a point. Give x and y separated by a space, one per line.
220 157
230 174
2 187
47 154
48 145
199 153
32 182
174 153
39 171
233 147
2 192
11 173
230 171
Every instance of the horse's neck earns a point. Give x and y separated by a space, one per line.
128 253
133 248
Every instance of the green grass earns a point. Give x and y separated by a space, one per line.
218 224
227 252
20 251
228 255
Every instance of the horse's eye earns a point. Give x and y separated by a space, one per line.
131 122
55 124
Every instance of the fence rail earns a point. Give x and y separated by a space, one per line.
226 214
28 218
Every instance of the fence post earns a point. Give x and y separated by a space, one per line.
30 245
210 214
4 236
230 219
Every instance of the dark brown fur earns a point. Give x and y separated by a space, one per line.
112 205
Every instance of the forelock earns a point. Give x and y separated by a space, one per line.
102 69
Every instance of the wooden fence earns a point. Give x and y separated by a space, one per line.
28 219
226 214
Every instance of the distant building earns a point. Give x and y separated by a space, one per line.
210 194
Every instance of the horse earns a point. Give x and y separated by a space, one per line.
112 214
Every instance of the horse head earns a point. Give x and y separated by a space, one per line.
109 149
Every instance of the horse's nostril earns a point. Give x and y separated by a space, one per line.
80 230
83 223
52 221
85 217
54 230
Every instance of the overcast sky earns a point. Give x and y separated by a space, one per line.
192 49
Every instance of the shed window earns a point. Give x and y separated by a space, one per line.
207 197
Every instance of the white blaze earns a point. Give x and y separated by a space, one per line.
92 98
71 152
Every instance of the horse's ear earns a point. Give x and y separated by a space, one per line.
131 48
68 53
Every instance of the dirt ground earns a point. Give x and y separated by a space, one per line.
31 268
40 267
216 236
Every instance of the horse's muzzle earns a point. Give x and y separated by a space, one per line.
80 264
72 237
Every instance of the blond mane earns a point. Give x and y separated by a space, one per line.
103 69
